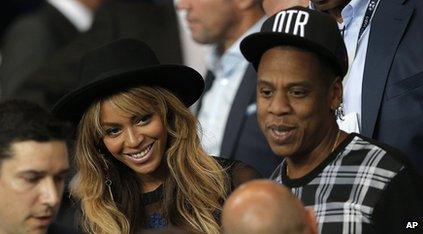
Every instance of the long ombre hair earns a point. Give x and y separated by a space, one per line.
195 185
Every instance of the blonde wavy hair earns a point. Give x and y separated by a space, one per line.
195 185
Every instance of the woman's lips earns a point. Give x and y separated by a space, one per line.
142 155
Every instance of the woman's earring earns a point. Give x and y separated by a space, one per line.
109 186
106 168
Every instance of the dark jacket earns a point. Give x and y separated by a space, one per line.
243 139
29 43
392 95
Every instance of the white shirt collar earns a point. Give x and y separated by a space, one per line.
233 53
354 9
76 12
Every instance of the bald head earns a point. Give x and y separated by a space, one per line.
263 206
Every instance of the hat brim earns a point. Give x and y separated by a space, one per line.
255 45
186 83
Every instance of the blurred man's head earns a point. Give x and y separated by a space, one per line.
263 206
33 166
220 22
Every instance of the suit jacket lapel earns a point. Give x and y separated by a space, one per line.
208 82
388 26
245 93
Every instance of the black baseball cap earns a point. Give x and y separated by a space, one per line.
301 27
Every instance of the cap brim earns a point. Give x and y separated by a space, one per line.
255 45
186 83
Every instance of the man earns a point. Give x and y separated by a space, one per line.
32 39
152 23
354 184
33 167
383 88
263 206
227 112
271 7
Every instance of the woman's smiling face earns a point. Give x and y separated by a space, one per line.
138 141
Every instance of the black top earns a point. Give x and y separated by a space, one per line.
55 228
237 171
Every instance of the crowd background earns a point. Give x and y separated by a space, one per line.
42 43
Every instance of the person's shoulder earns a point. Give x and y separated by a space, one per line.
390 156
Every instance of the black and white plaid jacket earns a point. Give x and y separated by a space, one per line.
362 187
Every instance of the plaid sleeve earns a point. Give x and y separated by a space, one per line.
400 205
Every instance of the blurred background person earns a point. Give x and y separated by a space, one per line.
266 207
193 53
33 167
154 22
10 9
383 87
33 38
227 110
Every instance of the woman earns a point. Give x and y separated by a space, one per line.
138 156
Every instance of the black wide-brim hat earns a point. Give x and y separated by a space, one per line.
124 64
300 27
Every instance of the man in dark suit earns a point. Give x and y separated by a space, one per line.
386 72
29 42
32 39
153 23
227 110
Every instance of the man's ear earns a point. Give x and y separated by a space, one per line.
335 93
311 220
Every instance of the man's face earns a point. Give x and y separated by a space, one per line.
327 5
210 21
294 100
31 185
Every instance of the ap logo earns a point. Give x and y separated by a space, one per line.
412 225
